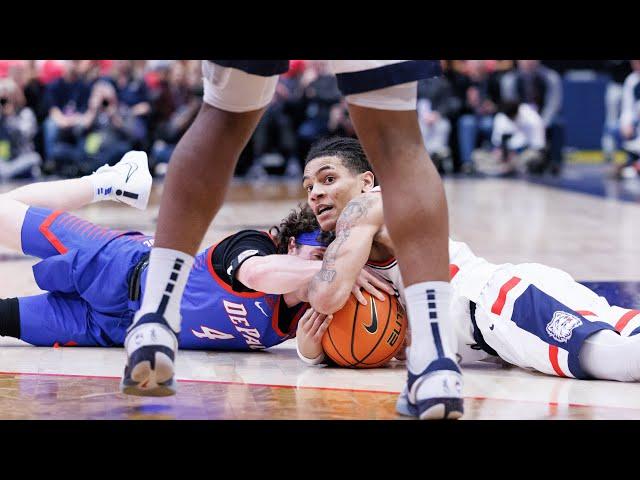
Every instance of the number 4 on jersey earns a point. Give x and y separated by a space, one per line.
211 334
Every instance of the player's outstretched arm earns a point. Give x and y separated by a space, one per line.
277 273
346 256
280 274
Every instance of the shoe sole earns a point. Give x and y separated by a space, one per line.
158 382
448 409
443 409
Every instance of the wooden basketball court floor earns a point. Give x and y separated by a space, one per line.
593 238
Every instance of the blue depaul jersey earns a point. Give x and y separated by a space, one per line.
216 316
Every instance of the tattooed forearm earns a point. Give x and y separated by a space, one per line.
355 211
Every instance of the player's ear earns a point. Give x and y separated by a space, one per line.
291 246
368 181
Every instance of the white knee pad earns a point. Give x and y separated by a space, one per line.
233 90
398 97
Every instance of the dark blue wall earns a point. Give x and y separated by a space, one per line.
583 109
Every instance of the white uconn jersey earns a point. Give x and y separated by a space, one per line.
469 274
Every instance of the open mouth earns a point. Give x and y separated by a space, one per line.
323 209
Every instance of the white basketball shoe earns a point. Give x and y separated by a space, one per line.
131 180
150 347
434 394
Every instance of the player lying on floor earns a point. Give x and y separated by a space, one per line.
530 315
245 293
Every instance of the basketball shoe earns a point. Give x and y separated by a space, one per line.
130 180
150 347
434 394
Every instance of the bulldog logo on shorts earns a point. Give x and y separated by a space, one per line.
562 325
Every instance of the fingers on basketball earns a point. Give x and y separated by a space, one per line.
365 336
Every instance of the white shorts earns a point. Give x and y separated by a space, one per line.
538 317
379 84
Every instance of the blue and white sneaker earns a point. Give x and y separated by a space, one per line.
435 394
132 180
150 347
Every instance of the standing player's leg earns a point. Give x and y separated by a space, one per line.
199 173
386 122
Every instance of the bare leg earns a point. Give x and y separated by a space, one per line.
199 174
12 215
393 143
62 195
415 212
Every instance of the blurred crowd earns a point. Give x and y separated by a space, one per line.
67 118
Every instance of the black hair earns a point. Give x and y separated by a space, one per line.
300 220
509 108
347 149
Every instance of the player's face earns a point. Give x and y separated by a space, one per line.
308 252
329 186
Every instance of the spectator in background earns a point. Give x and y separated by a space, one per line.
541 88
18 127
133 95
435 132
103 134
438 107
27 77
275 135
340 122
274 145
480 101
618 71
518 140
320 94
175 106
50 70
65 100
629 132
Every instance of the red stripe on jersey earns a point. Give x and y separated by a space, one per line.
553 358
586 313
625 319
498 305
453 271
384 263
49 235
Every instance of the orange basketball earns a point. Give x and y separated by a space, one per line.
366 336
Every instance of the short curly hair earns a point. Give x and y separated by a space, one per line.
300 220
347 149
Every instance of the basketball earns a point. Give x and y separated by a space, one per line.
365 336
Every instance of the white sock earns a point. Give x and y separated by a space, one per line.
103 185
432 334
608 356
168 274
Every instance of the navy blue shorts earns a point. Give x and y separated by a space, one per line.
351 82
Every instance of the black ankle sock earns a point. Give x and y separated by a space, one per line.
10 318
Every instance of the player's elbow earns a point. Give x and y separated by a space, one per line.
254 273
329 301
